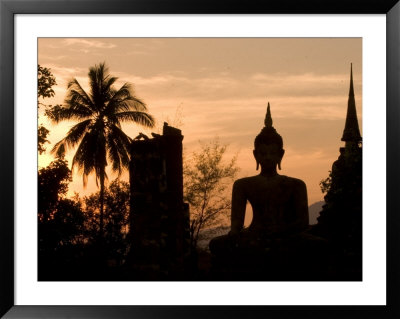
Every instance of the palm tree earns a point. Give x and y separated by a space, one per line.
98 133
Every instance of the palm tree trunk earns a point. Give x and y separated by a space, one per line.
101 203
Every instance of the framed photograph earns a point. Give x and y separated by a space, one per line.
210 73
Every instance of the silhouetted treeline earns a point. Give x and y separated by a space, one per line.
70 244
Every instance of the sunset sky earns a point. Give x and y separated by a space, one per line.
220 87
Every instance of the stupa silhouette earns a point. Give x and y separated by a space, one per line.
341 217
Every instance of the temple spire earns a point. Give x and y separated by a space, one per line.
268 117
351 131
351 91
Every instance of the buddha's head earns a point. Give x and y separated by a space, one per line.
268 146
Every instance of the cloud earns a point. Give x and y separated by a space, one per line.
298 96
89 43
216 87
52 57
147 48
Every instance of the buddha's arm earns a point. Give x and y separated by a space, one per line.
301 204
238 207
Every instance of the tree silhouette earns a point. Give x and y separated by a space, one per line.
206 179
326 183
116 218
98 134
46 81
52 186
60 220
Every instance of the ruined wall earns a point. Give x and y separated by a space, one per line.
159 220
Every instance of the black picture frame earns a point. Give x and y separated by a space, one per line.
8 8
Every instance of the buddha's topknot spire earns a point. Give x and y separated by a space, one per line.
268 134
268 117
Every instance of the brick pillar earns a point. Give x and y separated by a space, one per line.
159 219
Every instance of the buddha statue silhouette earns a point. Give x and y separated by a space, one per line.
279 203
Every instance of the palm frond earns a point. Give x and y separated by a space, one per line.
98 80
87 157
114 154
118 144
108 82
60 113
138 117
125 100
74 86
75 99
59 148
83 160
136 104
120 135
75 134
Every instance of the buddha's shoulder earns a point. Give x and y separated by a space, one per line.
245 182
295 182
289 181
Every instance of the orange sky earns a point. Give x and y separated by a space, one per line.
219 87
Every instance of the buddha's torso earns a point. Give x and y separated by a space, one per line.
273 200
